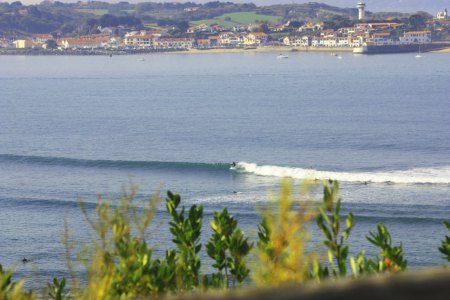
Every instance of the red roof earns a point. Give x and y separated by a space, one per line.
418 32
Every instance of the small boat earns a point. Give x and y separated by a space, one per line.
281 56
141 59
339 57
419 55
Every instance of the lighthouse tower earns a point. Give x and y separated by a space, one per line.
361 12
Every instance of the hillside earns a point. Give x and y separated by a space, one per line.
86 17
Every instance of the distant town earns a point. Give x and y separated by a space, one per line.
102 28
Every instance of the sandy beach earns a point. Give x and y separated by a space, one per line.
446 50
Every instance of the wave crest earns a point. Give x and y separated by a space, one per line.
439 175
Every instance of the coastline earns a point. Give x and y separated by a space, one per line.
103 52
267 49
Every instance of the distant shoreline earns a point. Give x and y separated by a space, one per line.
102 52
268 49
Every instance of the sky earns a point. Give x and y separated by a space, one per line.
431 6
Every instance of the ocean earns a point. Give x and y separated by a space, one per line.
75 127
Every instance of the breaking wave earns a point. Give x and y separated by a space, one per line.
439 175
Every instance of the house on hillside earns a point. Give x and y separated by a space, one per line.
297 41
5 43
310 27
173 43
355 41
83 43
202 28
378 26
214 40
138 41
328 33
255 39
230 39
23 44
317 42
203 43
41 38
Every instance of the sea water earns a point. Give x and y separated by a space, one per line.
78 127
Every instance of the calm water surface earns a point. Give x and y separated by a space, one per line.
75 127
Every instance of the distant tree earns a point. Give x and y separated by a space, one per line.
34 11
51 44
183 26
337 22
296 24
16 4
91 22
263 27
67 28
109 20
416 21
129 21
213 4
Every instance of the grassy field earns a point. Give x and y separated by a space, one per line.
232 19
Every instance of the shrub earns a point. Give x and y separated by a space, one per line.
10 290
283 235
329 222
228 247
445 248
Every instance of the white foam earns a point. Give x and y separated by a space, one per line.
439 175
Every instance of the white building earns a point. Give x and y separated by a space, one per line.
317 42
255 39
382 38
420 37
230 39
173 43
442 15
297 41
343 41
329 42
355 41
139 41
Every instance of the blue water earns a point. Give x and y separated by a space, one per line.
76 127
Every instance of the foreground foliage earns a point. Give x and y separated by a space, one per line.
445 248
120 263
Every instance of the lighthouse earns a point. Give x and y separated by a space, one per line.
361 12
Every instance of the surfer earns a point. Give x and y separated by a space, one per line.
24 260
233 164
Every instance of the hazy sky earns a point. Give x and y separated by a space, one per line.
431 6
